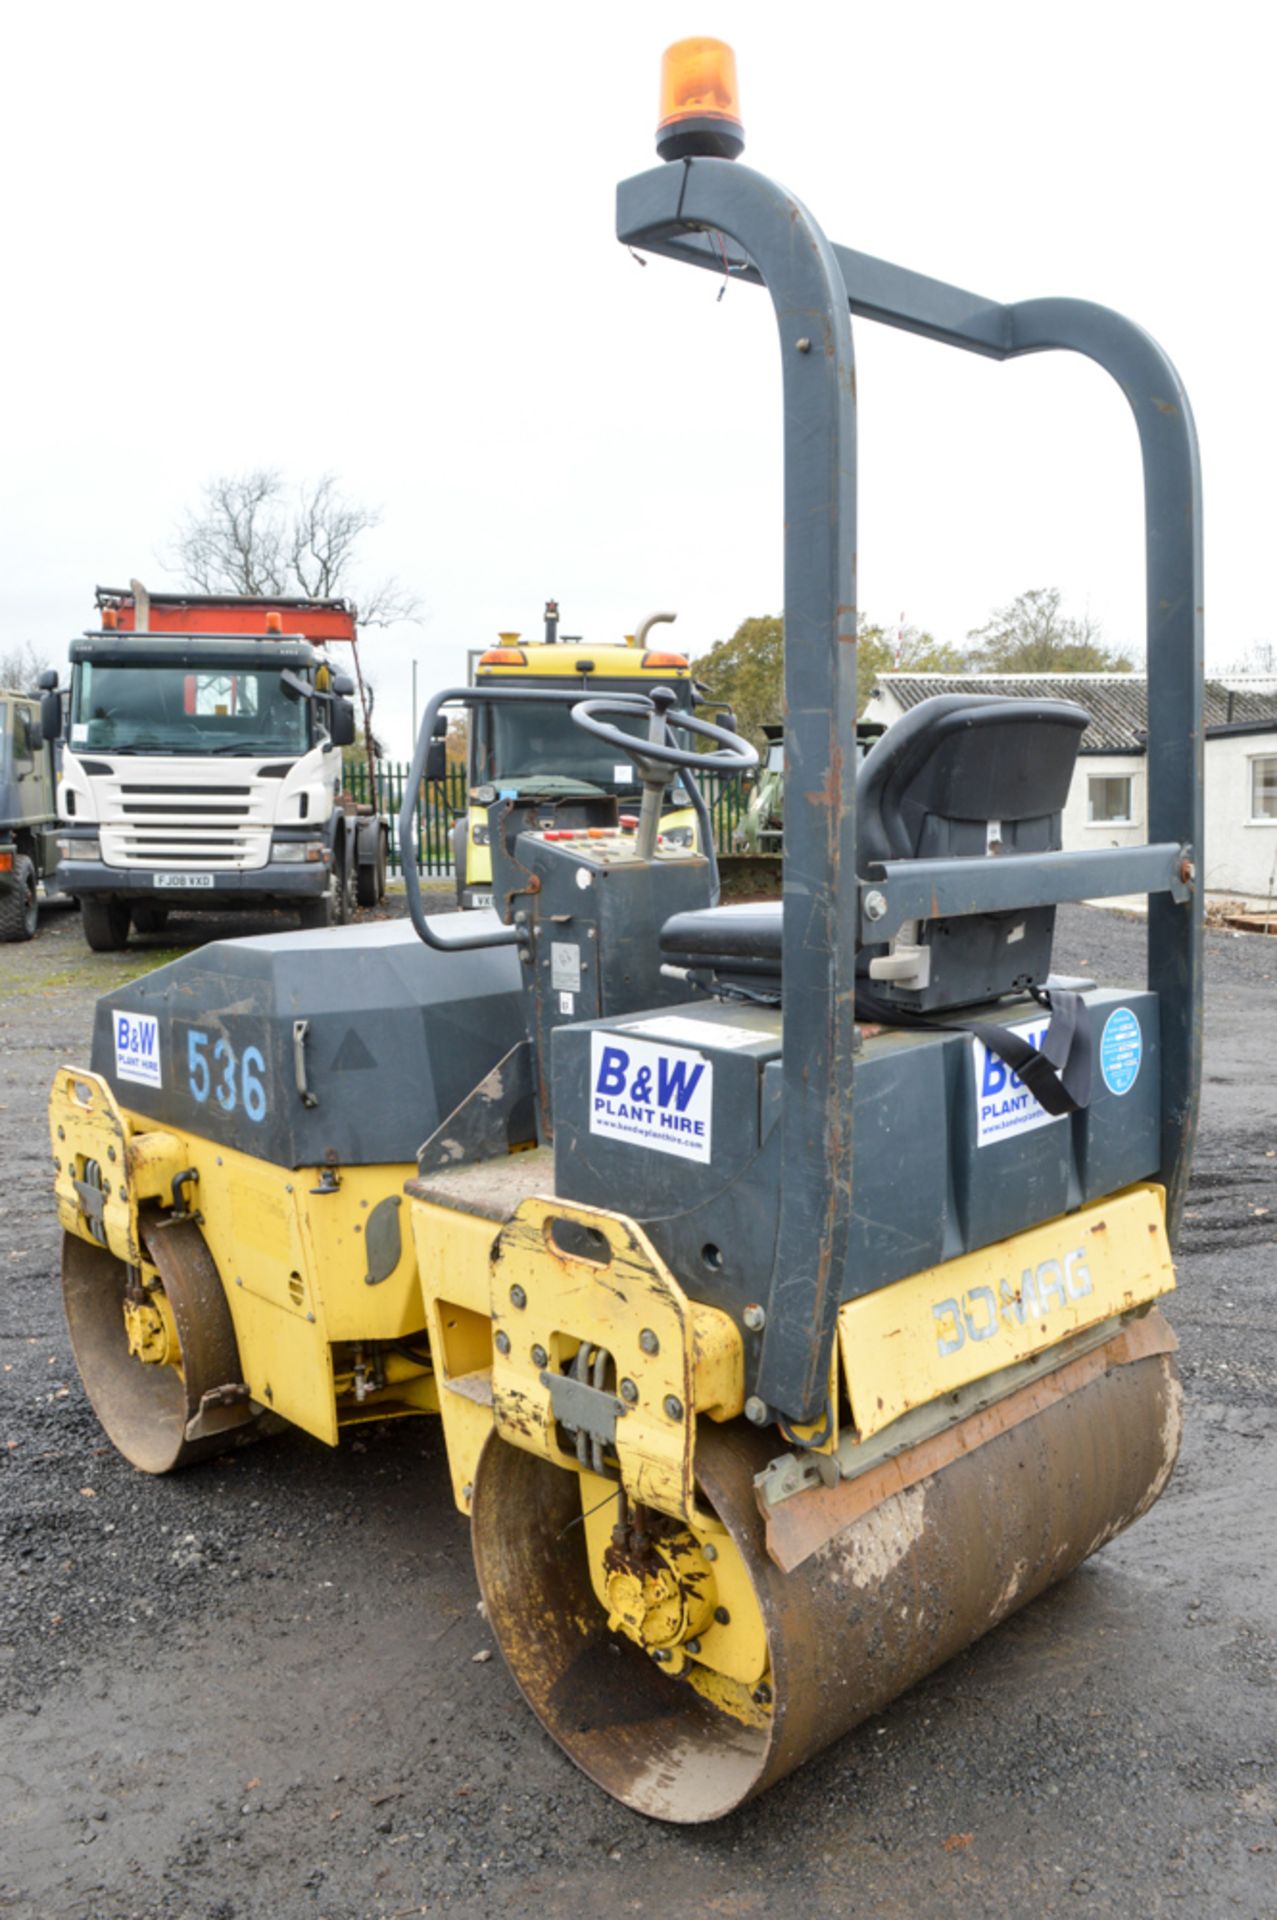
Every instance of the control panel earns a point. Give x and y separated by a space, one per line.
610 846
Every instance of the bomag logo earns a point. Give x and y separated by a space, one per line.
1050 1287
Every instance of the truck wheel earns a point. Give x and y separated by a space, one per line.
19 908
317 914
370 880
344 880
459 835
149 919
106 924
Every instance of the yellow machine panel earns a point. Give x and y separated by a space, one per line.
289 1244
587 1277
561 1283
926 1336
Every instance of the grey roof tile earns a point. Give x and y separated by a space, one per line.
1116 702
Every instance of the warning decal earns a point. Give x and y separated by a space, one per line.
1121 1050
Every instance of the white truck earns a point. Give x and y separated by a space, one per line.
203 768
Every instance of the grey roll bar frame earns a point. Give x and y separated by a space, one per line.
506 936
723 217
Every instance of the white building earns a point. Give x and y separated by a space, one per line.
1107 801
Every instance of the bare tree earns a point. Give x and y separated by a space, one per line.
21 666
1259 658
323 536
246 538
237 542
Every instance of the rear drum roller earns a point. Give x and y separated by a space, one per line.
150 1358
874 1608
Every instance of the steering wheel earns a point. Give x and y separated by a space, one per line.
739 756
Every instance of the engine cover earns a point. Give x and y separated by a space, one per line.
345 1047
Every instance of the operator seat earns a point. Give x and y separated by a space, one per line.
960 776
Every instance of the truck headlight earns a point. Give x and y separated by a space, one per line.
677 839
479 833
298 850
84 847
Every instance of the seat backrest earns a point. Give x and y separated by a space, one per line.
967 776
946 769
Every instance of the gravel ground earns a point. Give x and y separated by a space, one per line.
259 1691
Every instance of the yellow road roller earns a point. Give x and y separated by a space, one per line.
787 1277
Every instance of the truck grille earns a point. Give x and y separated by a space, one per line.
185 820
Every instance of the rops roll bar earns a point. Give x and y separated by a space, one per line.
718 215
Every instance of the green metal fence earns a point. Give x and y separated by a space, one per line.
726 800
441 801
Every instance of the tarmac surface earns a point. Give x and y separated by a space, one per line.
262 1690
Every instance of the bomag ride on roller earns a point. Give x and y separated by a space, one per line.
786 1277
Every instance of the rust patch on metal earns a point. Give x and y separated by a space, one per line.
799 1527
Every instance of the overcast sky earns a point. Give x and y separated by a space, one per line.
378 241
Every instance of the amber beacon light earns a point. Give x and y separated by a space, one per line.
700 106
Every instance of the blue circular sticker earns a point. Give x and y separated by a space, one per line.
1121 1049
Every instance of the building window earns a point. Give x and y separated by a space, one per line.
1108 800
1263 788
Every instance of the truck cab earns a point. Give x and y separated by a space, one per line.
535 751
203 769
28 814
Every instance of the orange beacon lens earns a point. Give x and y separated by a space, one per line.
700 105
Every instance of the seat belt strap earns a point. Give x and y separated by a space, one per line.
1057 1074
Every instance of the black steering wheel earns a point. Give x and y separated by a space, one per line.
739 756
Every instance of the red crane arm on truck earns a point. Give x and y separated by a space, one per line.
314 620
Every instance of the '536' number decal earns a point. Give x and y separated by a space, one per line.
212 1068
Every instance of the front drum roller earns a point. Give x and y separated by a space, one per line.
161 1369
892 1596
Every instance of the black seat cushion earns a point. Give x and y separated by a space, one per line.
737 939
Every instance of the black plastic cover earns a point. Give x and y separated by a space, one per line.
397 1035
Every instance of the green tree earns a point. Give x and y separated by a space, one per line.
747 672
907 651
458 740
1032 635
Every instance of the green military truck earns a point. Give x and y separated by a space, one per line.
28 814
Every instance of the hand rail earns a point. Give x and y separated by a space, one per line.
948 889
